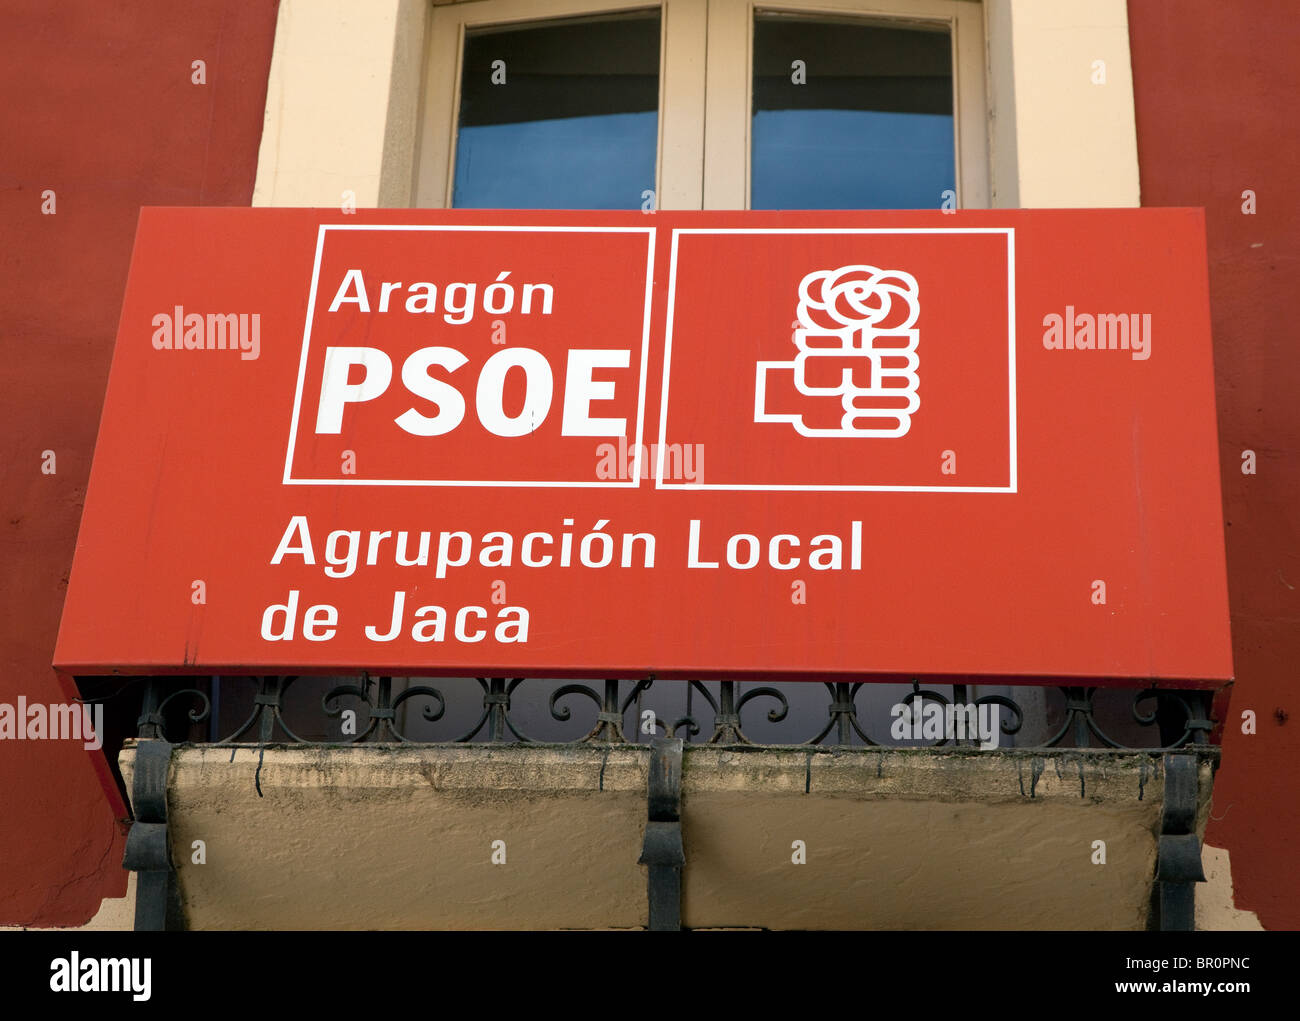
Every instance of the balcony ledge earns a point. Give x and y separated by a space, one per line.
404 837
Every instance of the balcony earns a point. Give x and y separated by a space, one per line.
536 804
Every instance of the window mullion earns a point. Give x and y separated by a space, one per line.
681 170
727 105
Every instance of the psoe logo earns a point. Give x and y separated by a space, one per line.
102 975
856 339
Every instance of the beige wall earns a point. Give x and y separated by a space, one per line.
1059 138
341 103
1215 908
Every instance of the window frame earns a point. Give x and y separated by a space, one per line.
730 88
703 156
680 144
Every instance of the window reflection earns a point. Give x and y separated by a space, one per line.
559 116
850 115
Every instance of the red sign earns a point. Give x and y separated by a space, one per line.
797 445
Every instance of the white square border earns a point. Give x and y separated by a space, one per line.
1011 487
633 483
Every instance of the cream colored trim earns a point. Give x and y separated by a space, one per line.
401 126
681 106
437 150
727 105
1001 78
730 88
340 103
970 108
1058 139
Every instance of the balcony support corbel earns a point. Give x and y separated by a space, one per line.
1178 864
662 850
148 851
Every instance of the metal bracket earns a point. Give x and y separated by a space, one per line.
1178 865
148 853
662 850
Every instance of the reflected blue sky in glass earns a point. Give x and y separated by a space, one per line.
600 162
850 159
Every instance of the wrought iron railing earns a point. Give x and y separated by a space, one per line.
498 710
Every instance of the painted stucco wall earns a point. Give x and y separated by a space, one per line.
1215 88
99 107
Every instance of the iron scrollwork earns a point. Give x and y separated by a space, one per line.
373 710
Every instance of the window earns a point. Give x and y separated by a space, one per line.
559 116
861 107
717 105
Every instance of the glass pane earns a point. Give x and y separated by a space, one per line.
563 115
850 115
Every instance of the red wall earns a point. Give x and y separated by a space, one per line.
1217 87
99 107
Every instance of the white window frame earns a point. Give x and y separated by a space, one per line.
730 87
680 149
705 88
